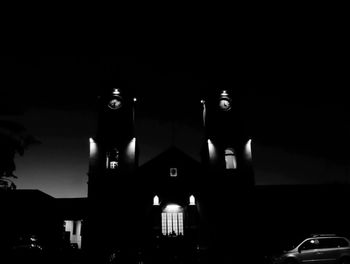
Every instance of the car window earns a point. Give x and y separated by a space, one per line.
333 242
310 244
341 242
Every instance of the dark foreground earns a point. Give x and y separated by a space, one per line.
80 257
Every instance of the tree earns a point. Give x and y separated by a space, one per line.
14 139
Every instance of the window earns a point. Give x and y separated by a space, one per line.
172 221
156 200
113 164
112 159
310 244
230 159
192 200
333 243
73 229
173 172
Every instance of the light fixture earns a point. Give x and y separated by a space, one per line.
224 93
116 91
172 208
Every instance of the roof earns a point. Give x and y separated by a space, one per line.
157 172
172 157
26 194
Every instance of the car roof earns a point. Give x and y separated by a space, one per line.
324 235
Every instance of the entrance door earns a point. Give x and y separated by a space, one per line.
172 220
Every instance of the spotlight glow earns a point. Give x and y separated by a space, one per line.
131 149
172 208
212 151
93 147
248 150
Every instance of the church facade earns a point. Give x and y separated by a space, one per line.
173 206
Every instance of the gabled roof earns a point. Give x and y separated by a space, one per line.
171 158
156 174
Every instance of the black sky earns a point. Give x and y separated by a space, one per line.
293 100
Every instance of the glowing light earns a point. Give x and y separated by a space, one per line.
173 172
156 200
230 159
116 91
212 151
173 208
248 150
224 93
113 164
74 229
93 147
131 150
135 99
192 200
204 112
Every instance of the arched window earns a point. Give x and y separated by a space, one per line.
192 200
172 220
112 159
156 200
230 159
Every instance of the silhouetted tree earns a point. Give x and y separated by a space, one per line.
14 139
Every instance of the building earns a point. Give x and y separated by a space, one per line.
56 222
173 201
72 213
29 212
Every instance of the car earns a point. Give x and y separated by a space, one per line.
317 248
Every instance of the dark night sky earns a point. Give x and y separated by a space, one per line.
293 103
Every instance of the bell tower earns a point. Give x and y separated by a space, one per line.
229 181
113 161
227 149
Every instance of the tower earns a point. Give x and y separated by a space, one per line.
228 145
113 161
229 181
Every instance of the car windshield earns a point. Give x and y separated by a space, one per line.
287 244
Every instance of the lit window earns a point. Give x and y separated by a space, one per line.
172 221
192 200
73 227
173 172
113 164
230 159
112 159
156 200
